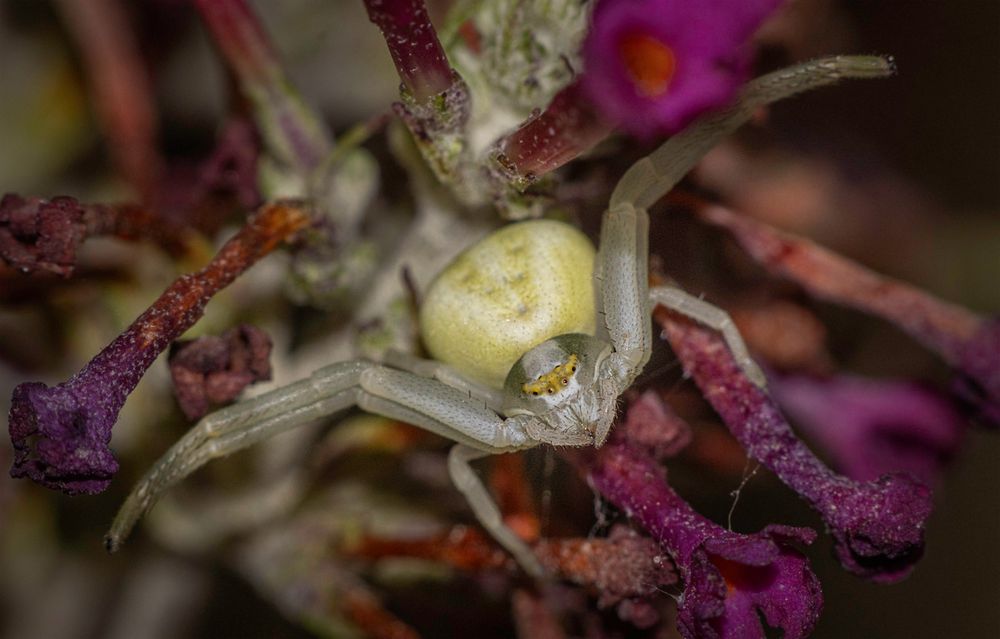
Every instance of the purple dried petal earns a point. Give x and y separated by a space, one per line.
730 578
878 526
61 434
652 66
42 235
214 370
870 427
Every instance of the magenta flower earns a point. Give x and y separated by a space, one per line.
731 580
652 66
870 427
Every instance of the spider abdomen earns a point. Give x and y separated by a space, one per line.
507 293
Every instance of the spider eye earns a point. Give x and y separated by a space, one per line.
550 391
535 393
572 369
564 381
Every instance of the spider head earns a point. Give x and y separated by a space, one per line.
557 382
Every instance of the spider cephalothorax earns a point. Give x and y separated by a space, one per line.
558 382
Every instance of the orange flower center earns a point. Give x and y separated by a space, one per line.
649 62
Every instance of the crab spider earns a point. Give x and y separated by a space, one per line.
535 336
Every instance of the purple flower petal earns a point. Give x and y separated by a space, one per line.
61 434
871 428
730 578
878 525
695 53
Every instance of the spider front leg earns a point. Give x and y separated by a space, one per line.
622 262
446 375
622 268
479 432
715 318
621 274
424 402
327 391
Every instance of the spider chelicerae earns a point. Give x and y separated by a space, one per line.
534 334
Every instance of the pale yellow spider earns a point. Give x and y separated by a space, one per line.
535 336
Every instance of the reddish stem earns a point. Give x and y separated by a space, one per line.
941 326
414 46
122 94
241 38
568 127
294 134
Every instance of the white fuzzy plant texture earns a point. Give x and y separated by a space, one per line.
564 385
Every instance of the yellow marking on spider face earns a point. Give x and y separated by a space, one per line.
555 380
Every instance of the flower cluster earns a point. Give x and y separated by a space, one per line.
647 68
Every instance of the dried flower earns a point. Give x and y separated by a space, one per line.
461 547
435 100
878 526
37 234
652 66
730 579
620 567
871 427
215 370
61 434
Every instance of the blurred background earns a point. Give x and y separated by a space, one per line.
902 175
